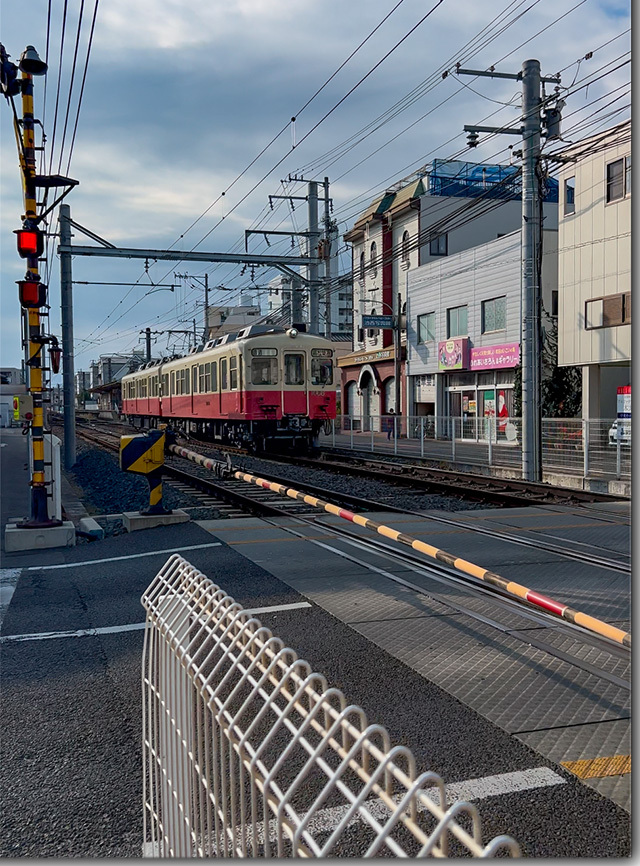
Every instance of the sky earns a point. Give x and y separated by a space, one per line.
183 102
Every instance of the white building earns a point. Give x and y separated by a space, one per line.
463 331
11 384
594 263
227 320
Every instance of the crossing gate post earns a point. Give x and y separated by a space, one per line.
143 454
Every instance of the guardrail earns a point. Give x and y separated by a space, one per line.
591 448
248 752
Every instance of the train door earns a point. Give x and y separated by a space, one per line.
294 391
234 386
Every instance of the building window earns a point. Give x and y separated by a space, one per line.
373 260
360 335
615 180
554 302
457 322
362 265
608 312
426 327
405 248
439 246
494 315
372 331
569 196
627 175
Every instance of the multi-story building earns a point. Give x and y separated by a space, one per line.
594 267
463 333
454 207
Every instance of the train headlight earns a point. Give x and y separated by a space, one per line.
293 333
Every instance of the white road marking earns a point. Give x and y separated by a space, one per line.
8 581
277 607
134 626
82 632
117 558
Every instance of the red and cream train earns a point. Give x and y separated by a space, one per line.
264 386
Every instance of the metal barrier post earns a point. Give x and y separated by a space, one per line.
585 446
371 426
618 452
395 434
351 417
422 436
228 710
333 432
490 441
453 440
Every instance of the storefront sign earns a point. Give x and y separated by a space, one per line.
624 401
453 354
366 358
494 357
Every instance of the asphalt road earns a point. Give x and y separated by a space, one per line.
70 770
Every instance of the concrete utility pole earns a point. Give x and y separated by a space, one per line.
66 322
531 240
327 259
312 252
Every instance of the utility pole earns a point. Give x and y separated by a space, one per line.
66 321
312 253
327 260
147 333
530 247
396 355
205 284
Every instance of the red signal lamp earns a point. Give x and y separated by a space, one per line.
54 355
30 242
32 293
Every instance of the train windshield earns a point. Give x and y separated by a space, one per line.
294 369
321 367
264 371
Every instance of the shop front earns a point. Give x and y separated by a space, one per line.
368 388
476 387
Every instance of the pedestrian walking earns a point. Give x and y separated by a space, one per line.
390 425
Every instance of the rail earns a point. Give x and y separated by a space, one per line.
248 752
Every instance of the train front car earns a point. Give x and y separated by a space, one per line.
290 388
263 388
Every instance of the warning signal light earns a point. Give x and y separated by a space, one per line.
32 293
30 242
54 356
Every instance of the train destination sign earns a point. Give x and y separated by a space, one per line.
377 321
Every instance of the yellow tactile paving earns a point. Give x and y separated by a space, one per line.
596 768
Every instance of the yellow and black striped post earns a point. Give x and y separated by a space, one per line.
143 454
39 511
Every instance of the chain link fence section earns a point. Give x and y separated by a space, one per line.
248 752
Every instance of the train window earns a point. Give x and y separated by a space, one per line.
202 371
165 384
233 373
154 386
173 382
224 382
294 369
264 353
213 372
187 382
194 379
264 371
321 370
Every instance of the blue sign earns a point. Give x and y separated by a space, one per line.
377 321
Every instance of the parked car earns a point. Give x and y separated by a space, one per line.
625 436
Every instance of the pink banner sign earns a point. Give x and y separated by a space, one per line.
495 357
453 354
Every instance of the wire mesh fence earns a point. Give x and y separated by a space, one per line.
249 753
592 448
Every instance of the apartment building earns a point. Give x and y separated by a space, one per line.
594 267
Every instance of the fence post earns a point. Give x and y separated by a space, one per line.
490 441
618 453
585 445
333 432
422 436
351 431
453 439
371 426
395 434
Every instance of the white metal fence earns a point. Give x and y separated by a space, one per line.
248 753
591 448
